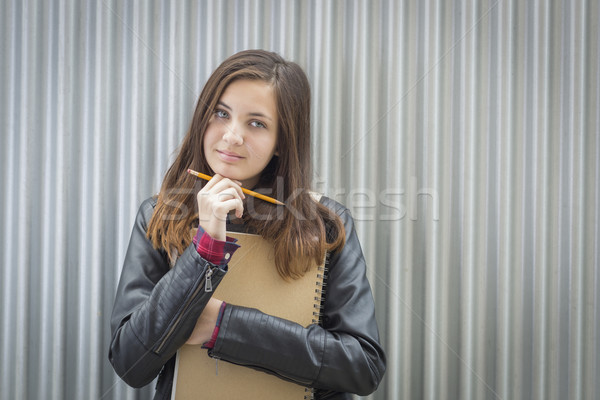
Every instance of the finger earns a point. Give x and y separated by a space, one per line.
227 194
224 207
212 182
208 200
239 211
226 183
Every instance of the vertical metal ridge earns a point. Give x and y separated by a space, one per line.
8 171
576 336
542 195
24 102
590 83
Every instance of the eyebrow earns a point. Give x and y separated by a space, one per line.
252 114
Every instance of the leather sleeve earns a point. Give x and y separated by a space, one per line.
342 355
156 307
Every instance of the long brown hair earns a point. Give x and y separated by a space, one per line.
302 231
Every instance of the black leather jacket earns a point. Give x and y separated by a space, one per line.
156 308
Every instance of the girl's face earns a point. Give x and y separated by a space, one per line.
241 135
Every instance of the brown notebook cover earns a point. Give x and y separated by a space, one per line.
252 281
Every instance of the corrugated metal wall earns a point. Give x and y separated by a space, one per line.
464 135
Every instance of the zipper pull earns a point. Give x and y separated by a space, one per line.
208 280
216 366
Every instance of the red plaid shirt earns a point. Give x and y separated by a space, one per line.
218 252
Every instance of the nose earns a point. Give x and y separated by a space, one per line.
232 134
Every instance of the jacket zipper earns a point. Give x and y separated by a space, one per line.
207 288
208 280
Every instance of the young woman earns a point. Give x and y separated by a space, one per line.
251 129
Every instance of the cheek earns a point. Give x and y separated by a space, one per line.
204 145
207 144
268 149
271 143
209 138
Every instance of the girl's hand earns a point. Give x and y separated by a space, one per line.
216 199
206 323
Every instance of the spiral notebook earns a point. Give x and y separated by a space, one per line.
251 281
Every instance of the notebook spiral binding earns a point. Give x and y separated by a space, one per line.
319 298
320 290
309 393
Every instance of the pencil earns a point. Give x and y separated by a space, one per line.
248 192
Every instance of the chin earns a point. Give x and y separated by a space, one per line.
229 174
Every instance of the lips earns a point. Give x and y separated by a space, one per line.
229 156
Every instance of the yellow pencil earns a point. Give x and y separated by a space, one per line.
248 192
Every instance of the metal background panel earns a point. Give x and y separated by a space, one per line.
462 135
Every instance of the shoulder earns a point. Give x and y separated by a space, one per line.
340 211
149 204
338 208
146 210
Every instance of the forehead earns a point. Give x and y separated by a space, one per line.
248 95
